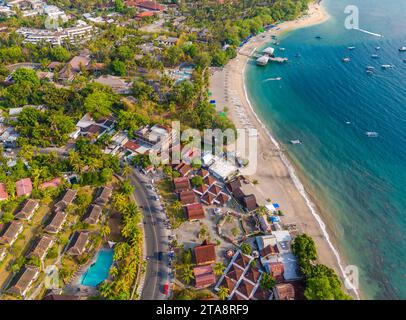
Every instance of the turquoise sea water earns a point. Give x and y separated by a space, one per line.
359 182
99 271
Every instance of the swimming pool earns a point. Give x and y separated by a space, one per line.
99 270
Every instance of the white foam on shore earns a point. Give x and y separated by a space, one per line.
298 184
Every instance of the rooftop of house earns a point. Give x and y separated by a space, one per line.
93 214
23 187
284 291
181 184
56 221
27 210
41 246
78 243
10 231
23 279
54 183
205 253
187 197
3 192
204 276
195 211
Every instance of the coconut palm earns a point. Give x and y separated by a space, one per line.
219 268
105 231
223 293
187 273
177 205
127 170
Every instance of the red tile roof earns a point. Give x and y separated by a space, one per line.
205 253
187 197
215 189
130 145
223 198
245 288
284 291
145 14
195 211
181 184
23 187
3 192
228 283
234 273
202 189
54 183
204 276
276 270
210 180
151 5
208 198
252 275
242 260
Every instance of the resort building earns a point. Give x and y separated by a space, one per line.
117 84
24 187
23 281
11 232
28 210
181 184
56 222
204 276
205 253
54 183
284 291
3 192
74 35
41 247
93 214
194 211
242 279
66 200
104 196
78 243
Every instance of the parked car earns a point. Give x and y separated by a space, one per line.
160 255
166 288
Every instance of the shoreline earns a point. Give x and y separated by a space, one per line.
279 178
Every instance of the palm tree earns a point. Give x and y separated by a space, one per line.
127 170
105 231
223 293
113 271
187 273
219 268
120 202
177 205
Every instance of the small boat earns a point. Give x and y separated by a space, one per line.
370 68
345 59
402 49
282 49
370 72
348 122
372 134
377 48
318 37
387 66
375 56
351 48
295 142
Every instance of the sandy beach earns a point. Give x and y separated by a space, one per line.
277 178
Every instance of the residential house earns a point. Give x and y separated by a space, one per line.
78 243
204 276
117 84
93 214
103 196
54 183
73 67
167 41
56 222
205 253
11 232
181 184
66 200
3 192
187 197
209 198
284 291
41 247
24 187
28 210
223 199
23 281
194 211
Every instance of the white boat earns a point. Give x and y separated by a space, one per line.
345 59
268 51
377 48
387 66
372 134
375 56
370 68
351 48
295 142
402 49
282 49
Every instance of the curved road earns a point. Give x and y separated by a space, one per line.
155 237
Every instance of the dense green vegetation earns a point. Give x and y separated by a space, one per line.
322 283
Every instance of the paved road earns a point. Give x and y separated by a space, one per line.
156 239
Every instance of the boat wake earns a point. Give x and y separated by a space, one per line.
273 79
369 32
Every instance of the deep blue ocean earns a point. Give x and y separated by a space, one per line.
358 182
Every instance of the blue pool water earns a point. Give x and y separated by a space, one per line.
99 271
